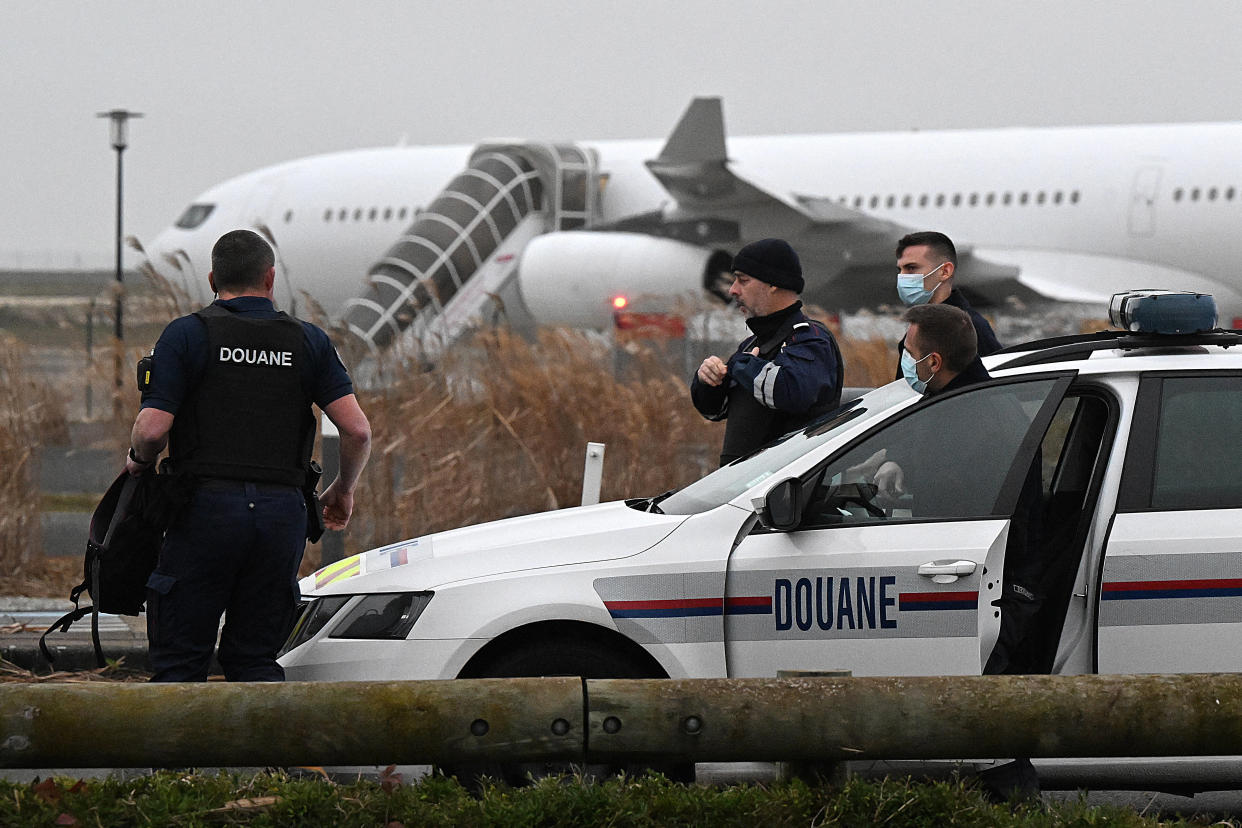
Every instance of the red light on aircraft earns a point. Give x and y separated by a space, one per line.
619 302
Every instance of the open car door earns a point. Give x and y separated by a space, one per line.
896 585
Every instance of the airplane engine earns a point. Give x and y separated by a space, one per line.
580 278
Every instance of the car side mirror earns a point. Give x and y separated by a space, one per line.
781 507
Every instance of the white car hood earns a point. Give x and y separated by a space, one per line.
566 536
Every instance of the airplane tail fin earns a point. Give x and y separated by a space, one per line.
699 136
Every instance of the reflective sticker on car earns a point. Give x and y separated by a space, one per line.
681 608
866 603
377 560
1171 589
338 571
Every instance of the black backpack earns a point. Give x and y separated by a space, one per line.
127 529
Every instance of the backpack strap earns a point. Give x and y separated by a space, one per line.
62 624
99 657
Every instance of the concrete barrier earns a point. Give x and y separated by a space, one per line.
534 720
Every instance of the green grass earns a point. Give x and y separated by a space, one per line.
182 799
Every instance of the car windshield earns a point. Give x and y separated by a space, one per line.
729 481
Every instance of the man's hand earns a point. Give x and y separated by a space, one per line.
890 480
338 505
712 371
134 468
865 471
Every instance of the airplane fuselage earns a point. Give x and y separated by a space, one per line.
1142 202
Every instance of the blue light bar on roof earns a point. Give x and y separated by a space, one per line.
1163 311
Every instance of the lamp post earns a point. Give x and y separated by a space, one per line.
119 135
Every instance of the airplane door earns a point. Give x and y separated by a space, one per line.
1170 594
902 586
1142 220
262 200
258 214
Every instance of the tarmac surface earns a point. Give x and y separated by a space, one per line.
23 620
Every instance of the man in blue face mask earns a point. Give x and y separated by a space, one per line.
940 350
926 265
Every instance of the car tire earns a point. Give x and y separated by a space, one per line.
560 657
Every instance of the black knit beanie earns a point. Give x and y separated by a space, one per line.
772 261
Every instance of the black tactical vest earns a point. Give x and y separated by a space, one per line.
751 424
249 417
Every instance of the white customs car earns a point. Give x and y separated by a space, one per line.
1111 463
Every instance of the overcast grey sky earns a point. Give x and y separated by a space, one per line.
229 86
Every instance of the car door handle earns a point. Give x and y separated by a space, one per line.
947 568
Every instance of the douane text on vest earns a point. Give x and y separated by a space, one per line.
253 356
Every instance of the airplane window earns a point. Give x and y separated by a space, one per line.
1007 198
1056 197
957 199
974 199
923 200
939 199
1023 198
906 200
1177 194
194 215
858 202
401 214
387 213
357 214
1039 197
342 215
1229 194
371 215
1074 197
891 202
1212 194
991 199
1194 193
327 214
288 216
875 201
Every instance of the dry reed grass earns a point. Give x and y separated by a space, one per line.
498 428
31 414
501 427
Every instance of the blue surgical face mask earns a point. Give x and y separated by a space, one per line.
911 373
910 286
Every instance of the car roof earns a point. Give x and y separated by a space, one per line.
1123 352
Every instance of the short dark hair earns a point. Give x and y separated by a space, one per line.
240 259
948 331
939 243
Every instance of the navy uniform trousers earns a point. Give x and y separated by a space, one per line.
234 550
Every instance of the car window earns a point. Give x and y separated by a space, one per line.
948 460
1198 461
729 481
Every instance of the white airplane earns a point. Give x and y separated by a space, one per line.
565 233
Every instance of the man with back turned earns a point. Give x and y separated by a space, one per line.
230 395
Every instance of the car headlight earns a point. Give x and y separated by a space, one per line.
388 615
382 615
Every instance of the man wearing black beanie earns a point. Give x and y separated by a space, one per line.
787 373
